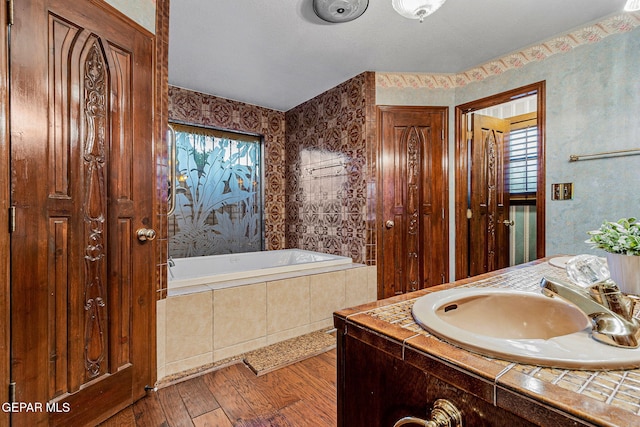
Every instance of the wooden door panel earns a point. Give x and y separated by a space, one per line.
411 142
478 262
82 161
414 250
434 235
489 239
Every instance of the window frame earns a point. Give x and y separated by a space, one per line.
237 135
517 123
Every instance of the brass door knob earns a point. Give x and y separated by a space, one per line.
145 234
508 223
389 224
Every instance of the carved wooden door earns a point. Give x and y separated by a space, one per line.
413 233
488 231
83 305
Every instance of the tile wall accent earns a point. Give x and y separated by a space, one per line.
371 129
326 180
562 44
197 108
328 169
161 112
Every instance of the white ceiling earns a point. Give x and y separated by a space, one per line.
278 53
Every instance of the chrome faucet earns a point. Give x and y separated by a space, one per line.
171 263
610 311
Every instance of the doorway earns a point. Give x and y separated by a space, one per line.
413 198
500 180
82 162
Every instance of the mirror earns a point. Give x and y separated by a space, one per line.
500 192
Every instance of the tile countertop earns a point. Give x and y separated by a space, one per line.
601 397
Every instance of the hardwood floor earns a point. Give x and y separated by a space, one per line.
302 394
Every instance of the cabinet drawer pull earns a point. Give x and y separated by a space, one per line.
444 414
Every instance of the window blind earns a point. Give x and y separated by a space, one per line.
522 168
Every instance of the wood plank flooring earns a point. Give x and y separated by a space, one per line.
302 394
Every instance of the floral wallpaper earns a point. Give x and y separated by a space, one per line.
562 44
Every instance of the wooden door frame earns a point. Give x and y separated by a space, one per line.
462 170
379 222
5 290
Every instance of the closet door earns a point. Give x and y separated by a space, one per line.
83 306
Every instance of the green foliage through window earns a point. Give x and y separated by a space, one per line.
219 197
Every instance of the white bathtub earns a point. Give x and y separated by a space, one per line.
222 306
217 271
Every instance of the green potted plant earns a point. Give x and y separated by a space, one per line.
621 241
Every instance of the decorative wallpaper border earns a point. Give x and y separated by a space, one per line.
591 34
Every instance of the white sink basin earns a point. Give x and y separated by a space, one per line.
524 327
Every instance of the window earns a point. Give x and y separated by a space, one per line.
218 193
522 168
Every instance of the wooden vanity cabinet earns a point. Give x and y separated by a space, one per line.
380 382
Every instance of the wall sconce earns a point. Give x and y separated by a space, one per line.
416 9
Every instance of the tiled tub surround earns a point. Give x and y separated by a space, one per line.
198 325
598 397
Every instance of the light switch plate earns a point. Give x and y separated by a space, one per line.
563 191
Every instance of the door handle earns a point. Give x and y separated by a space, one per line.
145 234
389 224
509 223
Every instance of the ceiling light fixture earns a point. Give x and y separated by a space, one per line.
632 5
339 10
416 9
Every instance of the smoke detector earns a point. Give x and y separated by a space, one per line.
337 11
